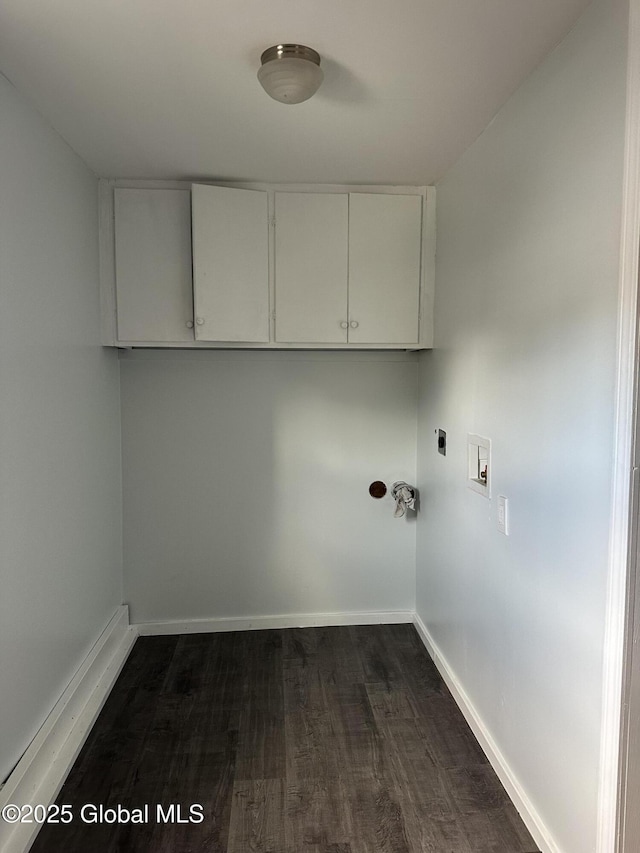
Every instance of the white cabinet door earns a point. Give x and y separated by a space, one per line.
385 238
153 265
230 264
311 261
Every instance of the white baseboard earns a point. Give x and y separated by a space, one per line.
40 773
253 623
521 801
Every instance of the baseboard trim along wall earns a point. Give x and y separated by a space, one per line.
255 623
523 804
42 770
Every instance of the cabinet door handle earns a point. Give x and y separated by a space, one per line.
344 325
354 324
189 324
200 321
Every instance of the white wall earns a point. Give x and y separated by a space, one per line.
527 276
246 481
60 517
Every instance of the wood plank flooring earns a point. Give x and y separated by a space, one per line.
312 740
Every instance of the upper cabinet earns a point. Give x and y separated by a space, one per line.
385 245
153 265
311 267
230 264
262 266
347 268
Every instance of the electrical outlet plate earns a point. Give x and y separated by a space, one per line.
503 515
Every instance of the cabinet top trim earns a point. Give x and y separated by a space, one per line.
127 183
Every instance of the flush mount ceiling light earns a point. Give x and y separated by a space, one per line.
290 73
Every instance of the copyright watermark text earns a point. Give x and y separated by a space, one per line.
92 813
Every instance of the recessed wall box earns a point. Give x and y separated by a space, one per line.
479 477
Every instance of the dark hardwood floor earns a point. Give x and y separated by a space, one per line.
314 740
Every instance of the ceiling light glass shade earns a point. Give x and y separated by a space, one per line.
290 73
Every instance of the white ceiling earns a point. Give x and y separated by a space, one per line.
168 88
